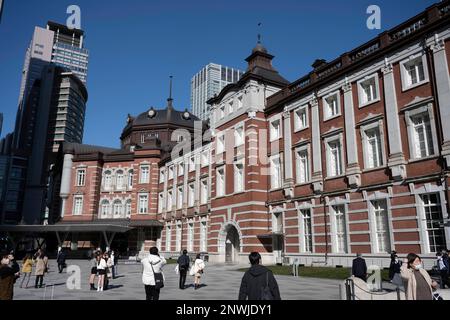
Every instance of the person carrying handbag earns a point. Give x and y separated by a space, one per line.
152 275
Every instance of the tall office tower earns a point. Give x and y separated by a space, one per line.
208 82
57 44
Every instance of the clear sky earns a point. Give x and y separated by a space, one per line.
136 44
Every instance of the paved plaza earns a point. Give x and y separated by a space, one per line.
220 282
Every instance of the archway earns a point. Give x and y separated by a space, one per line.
230 243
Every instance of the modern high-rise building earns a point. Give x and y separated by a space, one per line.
208 82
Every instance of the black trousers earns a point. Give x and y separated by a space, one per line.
444 277
60 267
39 279
182 278
151 293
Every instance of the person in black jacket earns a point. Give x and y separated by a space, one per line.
394 269
183 267
359 267
14 265
61 260
257 281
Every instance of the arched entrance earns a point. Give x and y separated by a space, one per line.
230 243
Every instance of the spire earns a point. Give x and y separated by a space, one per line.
259 57
259 33
169 100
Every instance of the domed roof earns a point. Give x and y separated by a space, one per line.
259 48
163 116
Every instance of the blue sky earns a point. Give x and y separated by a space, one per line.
136 44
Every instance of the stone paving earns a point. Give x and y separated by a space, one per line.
220 282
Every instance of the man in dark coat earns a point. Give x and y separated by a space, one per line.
183 267
61 260
258 281
359 267
7 278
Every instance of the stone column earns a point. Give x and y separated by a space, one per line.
443 91
65 181
396 161
316 147
353 169
288 172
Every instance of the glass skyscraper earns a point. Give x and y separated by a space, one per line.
208 82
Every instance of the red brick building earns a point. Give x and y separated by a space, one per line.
351 158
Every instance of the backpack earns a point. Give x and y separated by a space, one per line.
266 294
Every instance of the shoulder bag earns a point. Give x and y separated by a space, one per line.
159 280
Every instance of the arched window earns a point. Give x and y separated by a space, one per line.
104 208
107 183
128 208
117 208
119 179
130 179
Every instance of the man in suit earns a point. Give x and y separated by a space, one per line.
183 267
359 267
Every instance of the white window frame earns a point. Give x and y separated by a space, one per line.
178 236
365 143
168 237
220 187
204 196
412 112
120 213
81 177
297 120
192 163
120 185
327 141
423 218
237 188
180 167
277 157
239 140
105 204
404 73
203 236
162 175
276 118
108 183
180 197
374 224
191 194
305 148
128 208
142 209
326 106
220 143
170 199
190 235
205 158
130 174
144 178
332 209
161 202
360 90
78 207
303 236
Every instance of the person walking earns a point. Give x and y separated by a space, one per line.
394 270
95 259
418 283
41 268
359 267
61 260
197 270
443 270
27 269
101 269
152 275
183 267
109 266
7 278
258 282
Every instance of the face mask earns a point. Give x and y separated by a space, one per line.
5 261
418 267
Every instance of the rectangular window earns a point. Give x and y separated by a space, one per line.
170 172
181 169
380 216
422 136
368 90
301 118
331 106
144 176
169 200
334 158
143 203
434 222
78 205
191 195
192 164
205 158
130 179
275 173
341 233
275 129
239 177
160 202
239 135
414 72
307 230
203 231
190 236
162 175
220 180
81 177
239 103
302 166
180 198
373 148
178 237
204 191
220 144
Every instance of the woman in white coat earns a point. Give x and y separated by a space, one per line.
197 271
151 265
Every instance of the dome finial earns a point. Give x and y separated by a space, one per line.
169 100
